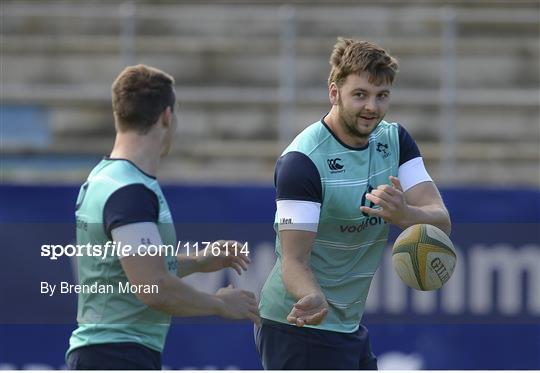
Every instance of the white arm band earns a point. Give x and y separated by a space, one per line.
137 235
298 215
412 172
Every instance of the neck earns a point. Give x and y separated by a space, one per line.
335 123
143 150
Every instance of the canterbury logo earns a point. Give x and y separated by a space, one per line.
334 165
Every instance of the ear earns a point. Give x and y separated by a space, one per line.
333 94
166 117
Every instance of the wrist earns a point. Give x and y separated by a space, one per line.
197 263
187 265
219 306
408 218
314 294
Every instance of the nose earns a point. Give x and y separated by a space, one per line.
371 105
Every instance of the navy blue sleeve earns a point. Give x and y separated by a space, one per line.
296 177
133 203
407 146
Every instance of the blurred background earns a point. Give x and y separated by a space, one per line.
249 77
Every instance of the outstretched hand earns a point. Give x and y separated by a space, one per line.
309 310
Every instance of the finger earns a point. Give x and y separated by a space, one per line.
377 200
314 319
304 306
300 322
370 211
249 294
382 194
303 314
253 308
242 263
387 189
293 316
396 183
254 316
231 286
236 267
317 318
245 258
291 319
258 322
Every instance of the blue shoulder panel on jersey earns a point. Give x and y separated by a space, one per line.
134 203
297 178
407 146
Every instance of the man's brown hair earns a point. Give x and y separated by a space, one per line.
355 57
139 95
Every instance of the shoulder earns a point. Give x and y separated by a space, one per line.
397 135
408 149
133 203
386 128
113 174
309 139
296 177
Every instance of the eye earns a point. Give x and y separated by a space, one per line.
360 94
383 95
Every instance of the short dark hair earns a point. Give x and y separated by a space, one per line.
357 56
139 95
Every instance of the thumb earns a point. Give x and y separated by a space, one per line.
304 303
396 183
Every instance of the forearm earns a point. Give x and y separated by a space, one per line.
186 265
179 299
430 214
299 279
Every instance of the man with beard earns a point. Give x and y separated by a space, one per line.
339 183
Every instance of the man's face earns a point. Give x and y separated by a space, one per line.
362 105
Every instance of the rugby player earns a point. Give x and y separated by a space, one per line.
122 201
339 185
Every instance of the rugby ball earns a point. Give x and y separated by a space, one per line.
424 257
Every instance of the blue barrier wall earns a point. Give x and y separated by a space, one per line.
486 317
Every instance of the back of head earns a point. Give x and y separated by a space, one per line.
139 95
355 57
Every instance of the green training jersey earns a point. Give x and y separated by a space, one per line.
117 316
318 168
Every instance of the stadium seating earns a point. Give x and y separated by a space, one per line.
229 60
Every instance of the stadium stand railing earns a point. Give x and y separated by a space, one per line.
227 63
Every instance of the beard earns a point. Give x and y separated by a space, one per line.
349 122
